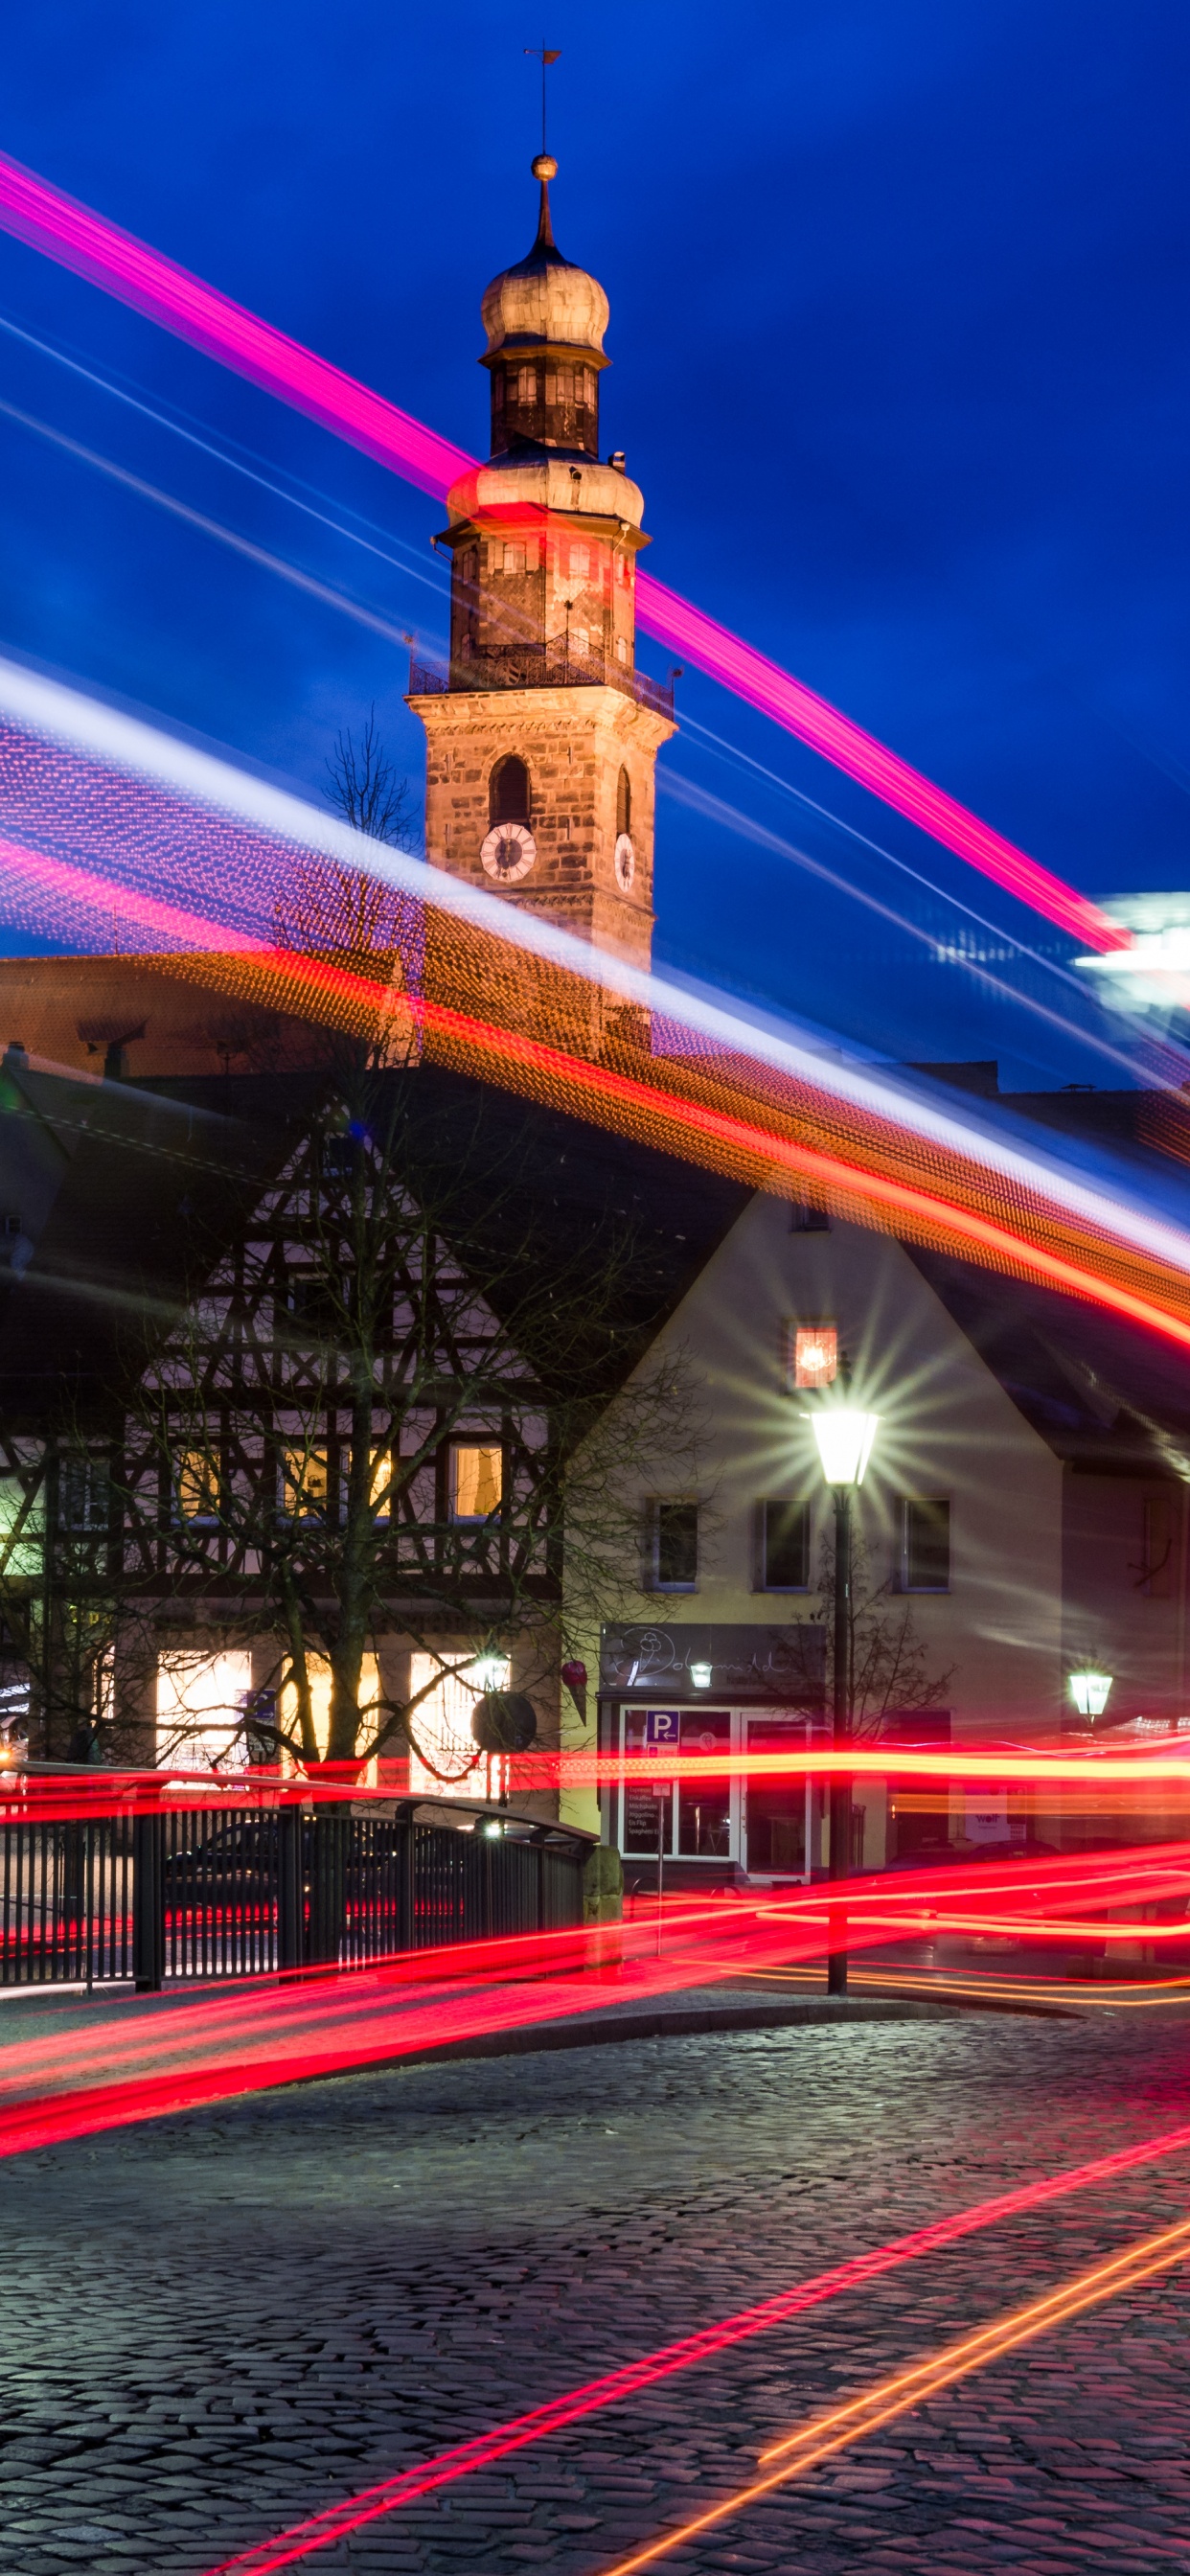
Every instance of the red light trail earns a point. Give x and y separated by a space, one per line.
72 234
166 2061
285 2548
712 1118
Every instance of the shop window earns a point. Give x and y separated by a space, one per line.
785 1547
476 1481
925 1545
675 1546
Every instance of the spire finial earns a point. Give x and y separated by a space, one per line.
545 55
545 168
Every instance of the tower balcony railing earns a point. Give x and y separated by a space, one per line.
537 669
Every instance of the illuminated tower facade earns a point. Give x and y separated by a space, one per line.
543 738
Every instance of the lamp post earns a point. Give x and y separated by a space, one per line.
1090 1693
844 1438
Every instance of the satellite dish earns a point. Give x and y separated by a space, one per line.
504 1722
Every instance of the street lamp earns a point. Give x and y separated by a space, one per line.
845 1439
1089 1691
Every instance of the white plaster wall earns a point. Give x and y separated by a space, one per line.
947 1428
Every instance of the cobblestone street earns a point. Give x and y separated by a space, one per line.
216 2324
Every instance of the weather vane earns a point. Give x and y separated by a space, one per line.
542 54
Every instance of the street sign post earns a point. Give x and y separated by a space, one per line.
663 1734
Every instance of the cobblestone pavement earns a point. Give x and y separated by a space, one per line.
215 2324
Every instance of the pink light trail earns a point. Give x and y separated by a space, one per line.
286 2547
72 234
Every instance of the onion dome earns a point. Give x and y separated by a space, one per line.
545 301
545 321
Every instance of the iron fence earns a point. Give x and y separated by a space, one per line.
194 1894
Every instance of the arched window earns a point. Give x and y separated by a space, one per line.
623 803
508 792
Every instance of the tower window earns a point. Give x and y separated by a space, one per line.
514 558
526 385
623 803
580 563
508 792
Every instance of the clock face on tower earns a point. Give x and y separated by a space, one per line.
508 852
625 863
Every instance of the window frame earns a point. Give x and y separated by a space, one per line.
660 1504
802 1504
924 1502
474 1447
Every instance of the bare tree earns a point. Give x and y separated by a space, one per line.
367 790
890 1662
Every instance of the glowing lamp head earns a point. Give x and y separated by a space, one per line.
845 1439
1089 1691
700 1675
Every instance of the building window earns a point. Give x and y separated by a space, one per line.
621 648
305 1482
476 1482
925 1545
526 385
508 792
811 1355
580 563
623 798
675 1547
1157 1559
514 558
579 643
784 1547
198 1486
84 1494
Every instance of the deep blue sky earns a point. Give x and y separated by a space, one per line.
900 358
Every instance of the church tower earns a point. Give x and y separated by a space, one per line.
543 738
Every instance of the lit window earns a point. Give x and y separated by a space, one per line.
526 385
304 1480
925 1545
813 1355
785 1547
198 1486
200 1702
476 1483
441 1725
675 1547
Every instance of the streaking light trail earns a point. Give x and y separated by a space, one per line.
51 222
100 811
287 2547
834 2431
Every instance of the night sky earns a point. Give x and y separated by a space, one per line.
900 359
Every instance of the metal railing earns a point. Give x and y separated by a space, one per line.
534 670
192 1894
